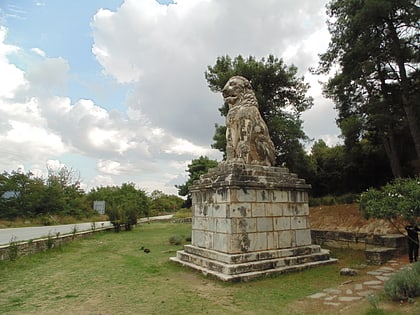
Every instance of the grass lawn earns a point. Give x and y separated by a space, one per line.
109 274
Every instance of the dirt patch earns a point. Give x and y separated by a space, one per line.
348 218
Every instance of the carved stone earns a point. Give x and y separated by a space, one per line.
250 219
247 137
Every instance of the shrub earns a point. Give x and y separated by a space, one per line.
183 213
120 217
405 284
50 241
12 251
175 240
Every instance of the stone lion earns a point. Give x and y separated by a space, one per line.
247 137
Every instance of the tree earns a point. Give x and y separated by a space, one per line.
195 169
339 170
163 203
398 199
63 193
375 44
281 98
21 194
126 197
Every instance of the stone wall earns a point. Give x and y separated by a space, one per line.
355 240
378 248
42 244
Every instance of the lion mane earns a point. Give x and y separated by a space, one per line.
247 137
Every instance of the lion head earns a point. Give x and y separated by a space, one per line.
238 91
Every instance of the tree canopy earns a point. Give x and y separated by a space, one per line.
398 199
375 46
281 96
196 168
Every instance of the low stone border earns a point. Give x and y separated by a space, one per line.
378 248
24 248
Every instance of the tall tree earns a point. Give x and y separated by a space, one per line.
281 96
196 168
375 44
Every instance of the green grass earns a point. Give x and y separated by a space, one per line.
109 274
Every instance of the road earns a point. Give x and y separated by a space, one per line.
28 233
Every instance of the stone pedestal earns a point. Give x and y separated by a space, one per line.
250 221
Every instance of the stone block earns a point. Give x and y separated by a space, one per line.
273 240
197 238
246 195
221 211
379 255
240 210
304 209
258 210
274 210
290 209
200 223
263 195
240 225
286 239
282 224
264 224
221 242
303 237
222 195
223 225
280 196
258 241
298 223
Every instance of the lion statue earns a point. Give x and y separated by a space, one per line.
247 137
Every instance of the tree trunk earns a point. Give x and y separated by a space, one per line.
391 152
407 103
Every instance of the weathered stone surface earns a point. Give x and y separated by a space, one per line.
249 218
247 137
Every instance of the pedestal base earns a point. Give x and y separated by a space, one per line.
245 267
250 221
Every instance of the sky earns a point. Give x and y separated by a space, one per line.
115 89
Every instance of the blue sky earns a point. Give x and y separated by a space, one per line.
116 89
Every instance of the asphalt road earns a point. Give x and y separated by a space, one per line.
29 233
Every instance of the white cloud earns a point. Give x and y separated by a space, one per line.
161 52
39 52
164 51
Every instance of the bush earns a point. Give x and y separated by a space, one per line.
13 249
175 240
404 284
122 218
183 213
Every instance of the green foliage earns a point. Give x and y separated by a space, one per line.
337 170
400 198
404 284
163 203
121 217
375 45
12 250
175 240
24 195
50 241
183 213
281 96
124 198
196 168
